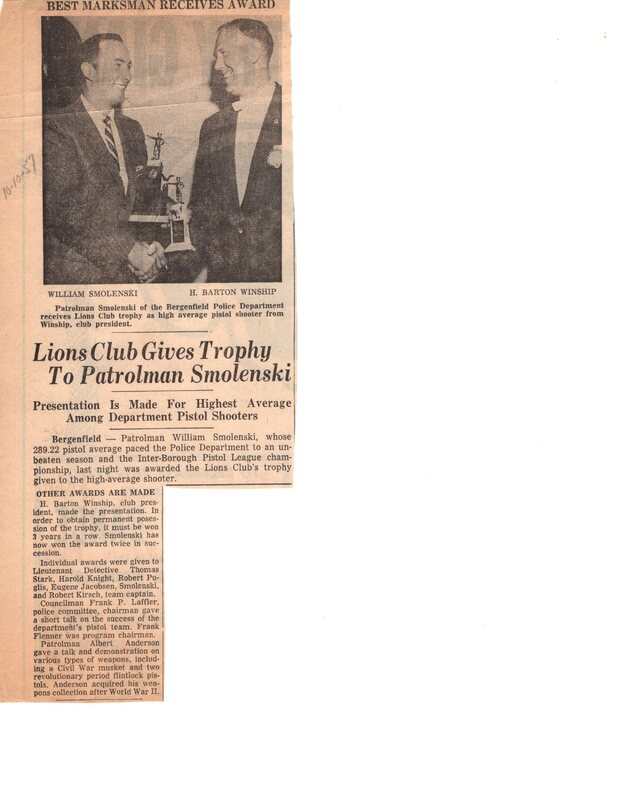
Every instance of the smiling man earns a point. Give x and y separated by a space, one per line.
236 195
91 151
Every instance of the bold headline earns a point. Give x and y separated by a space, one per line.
99 363
161 5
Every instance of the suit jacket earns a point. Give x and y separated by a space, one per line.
86 210
237 243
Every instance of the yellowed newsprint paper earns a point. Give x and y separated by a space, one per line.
147 313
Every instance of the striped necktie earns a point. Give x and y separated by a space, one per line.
109 139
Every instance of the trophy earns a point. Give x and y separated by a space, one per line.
153 205
177 215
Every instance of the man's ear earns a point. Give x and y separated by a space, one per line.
88 71
256 51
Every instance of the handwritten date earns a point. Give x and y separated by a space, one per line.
28 167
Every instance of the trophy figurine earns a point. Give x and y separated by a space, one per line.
153 206
149 202
159 141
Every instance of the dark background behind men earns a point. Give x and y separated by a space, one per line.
60 43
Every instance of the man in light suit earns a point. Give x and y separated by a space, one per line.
90 155
236 194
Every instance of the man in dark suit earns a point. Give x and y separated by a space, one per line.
90 155
236 194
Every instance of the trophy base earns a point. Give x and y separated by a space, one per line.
179 230
160 219
178 247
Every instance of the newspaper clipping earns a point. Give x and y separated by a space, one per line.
147 312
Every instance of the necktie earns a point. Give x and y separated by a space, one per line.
109 139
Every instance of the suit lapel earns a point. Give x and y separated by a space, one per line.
99 154
270 135
228 155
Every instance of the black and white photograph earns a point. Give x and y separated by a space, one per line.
162 150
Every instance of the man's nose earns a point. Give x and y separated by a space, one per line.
219 63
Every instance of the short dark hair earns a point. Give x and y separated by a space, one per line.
92 46
254 29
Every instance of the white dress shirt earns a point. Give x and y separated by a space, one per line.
97 117
251 114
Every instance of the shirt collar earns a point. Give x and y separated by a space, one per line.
262 97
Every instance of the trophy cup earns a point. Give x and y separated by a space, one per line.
154 207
